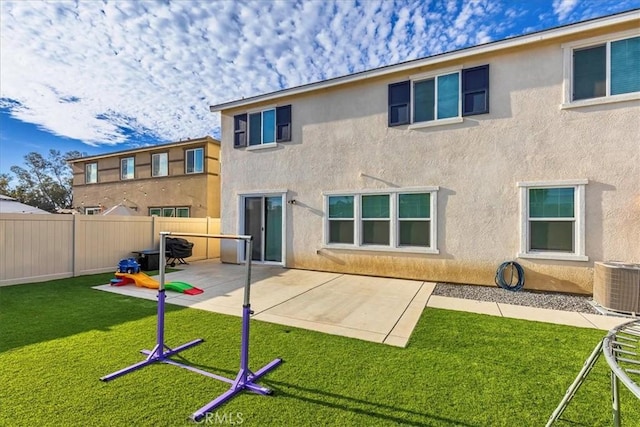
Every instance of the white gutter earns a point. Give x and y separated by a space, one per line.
442 57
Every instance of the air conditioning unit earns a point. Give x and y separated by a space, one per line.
231 251
616 286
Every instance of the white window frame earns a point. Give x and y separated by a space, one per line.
160 210
579 206
394 226
329 219
435 122
127 177
93 211
262 144
568 49
364 220
241 196
186 161
158 156
87 174
182 208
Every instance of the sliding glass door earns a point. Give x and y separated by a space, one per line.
263 221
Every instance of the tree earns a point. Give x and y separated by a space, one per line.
45 182
5 189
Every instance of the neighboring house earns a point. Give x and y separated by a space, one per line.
11 205
179 179
442 168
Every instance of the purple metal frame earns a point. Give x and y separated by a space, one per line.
245 379
158 354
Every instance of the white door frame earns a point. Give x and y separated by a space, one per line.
265 193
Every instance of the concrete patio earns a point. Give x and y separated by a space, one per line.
375 309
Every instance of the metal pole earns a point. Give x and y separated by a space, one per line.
586 368
163 258
247 285
246 315
615 399
161 294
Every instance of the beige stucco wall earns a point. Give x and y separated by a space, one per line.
341 142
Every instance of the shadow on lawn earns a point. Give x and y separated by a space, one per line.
39 312
340 402
354 405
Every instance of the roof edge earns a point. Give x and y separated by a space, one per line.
148 148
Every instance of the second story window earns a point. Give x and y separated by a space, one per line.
436 98
262 127
127 168
91 173
439 98
160 164
194 160
607 69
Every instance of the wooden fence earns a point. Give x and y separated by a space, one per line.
36 248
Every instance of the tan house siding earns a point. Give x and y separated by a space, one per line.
200 192
341 142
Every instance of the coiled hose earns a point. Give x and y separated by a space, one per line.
500 281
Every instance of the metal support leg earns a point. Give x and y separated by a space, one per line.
245 380
615 399
571 391
159 353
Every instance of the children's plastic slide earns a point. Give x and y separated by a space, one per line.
183 288
142 280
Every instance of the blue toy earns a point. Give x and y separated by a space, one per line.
128 265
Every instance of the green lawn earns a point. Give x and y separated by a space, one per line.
58 338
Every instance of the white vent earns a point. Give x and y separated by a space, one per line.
616 286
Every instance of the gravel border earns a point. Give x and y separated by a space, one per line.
549 300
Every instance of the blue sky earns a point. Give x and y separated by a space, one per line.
103 76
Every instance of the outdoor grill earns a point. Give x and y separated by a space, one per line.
177 250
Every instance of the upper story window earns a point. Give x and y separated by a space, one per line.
399 220
194 160
160 164
91 173
264 127
600 70
127 168
552 220
440 98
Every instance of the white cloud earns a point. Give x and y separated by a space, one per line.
97 71
563 8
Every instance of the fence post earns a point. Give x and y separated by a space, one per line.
74 249
153 231
208 226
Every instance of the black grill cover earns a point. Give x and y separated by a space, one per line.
178 248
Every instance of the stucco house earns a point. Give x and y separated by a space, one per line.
180 179
442 168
